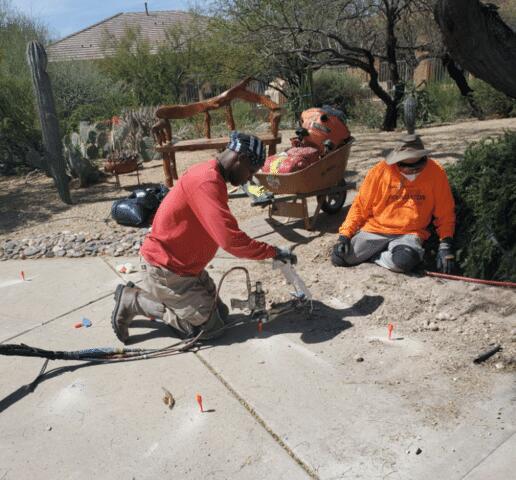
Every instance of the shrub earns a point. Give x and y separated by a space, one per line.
492 101
18 133
82 92
484 185
369 113
445 103
339 89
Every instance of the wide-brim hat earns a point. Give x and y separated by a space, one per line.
410 146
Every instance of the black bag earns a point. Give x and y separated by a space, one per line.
138 208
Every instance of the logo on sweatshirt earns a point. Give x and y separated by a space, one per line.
415 195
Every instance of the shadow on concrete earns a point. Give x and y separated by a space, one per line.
322 325
25 390
158 330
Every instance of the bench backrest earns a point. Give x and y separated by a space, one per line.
238 92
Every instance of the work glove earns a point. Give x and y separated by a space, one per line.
285 255
343 246
446 256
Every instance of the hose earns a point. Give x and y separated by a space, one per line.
493 283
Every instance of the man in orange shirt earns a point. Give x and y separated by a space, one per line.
398 200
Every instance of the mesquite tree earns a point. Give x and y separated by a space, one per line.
357 33
37 59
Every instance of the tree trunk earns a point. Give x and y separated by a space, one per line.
480 41
37 59
390 118
391 112
460 80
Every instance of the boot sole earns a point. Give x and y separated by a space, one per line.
114 326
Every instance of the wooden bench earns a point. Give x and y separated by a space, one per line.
162 130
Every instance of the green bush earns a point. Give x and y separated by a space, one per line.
368 113
484 185
83 92
18 117
18 133
339 89
492 101
444 103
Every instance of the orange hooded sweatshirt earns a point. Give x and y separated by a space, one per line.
389 203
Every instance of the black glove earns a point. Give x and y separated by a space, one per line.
343 246
285 255
446 256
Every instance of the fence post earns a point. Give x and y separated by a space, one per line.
37 59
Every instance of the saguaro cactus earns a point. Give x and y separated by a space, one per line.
37 59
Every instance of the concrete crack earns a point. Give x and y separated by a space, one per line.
309 471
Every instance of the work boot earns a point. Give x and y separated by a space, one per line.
129 302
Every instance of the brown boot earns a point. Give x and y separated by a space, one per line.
130 302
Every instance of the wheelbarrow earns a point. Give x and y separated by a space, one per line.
323 180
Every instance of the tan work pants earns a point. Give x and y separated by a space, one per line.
187 300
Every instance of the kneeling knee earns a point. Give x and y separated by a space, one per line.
405 258
337 259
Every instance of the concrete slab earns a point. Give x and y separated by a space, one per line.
291 402
499 464
345 419
109 421
51 288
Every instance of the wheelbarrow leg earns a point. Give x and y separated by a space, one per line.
306 216
320 201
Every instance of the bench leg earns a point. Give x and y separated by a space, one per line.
169 179
305 214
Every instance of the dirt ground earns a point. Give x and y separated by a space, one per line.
461 320
29 206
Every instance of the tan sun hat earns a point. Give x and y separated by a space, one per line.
410 146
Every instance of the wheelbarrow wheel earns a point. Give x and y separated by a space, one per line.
334 203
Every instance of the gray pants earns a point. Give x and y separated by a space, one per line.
399 253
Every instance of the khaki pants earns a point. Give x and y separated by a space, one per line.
187 300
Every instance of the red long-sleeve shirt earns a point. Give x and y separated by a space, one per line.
193 221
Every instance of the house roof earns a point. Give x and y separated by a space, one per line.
87 43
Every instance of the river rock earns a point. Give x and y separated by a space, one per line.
30 251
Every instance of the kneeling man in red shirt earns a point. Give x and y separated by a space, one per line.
191 223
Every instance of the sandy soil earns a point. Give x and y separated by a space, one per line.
29 206
459 320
